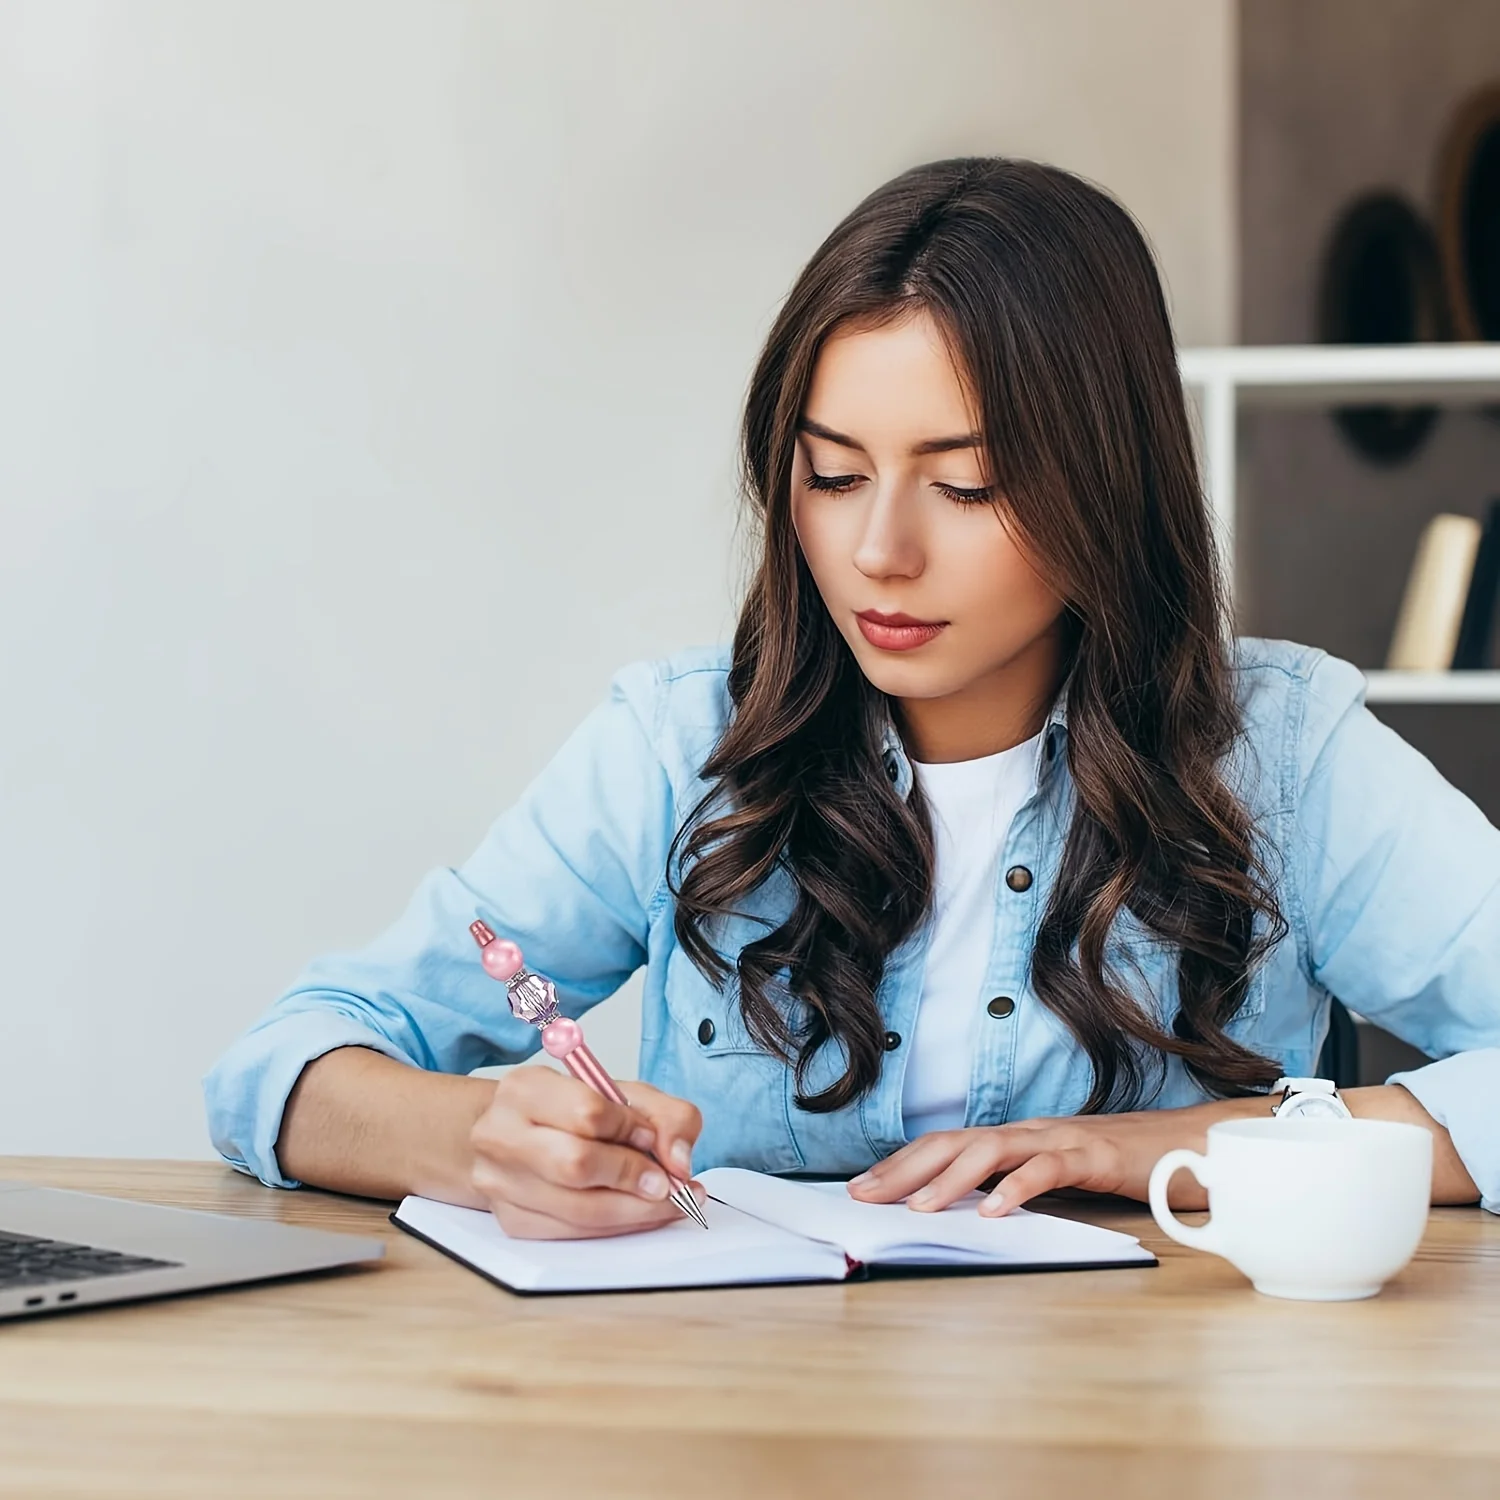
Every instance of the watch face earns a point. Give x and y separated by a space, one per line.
1313 1104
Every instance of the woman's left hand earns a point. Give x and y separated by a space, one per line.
1111 1154
1098 1153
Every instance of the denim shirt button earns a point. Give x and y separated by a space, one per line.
1018 878
892 769
892 1040
705 1031
1001 1006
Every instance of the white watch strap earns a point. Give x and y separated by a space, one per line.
1305 1086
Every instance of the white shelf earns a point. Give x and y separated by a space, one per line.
1433 687
1329 375
1334 375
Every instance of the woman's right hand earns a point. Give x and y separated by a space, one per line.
554 1160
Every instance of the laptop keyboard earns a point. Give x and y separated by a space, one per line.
26 1260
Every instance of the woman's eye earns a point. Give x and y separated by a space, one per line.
980 496
840 484
831 484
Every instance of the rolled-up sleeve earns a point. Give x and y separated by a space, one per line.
1397 884
1462 1093
571 873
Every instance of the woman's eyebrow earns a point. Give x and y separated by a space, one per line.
931 445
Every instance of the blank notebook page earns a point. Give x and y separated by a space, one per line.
735 1248
892 1234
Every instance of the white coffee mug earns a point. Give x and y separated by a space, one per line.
1325 1210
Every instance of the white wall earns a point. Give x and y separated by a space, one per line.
316 320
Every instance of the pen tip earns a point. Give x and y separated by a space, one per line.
689 1205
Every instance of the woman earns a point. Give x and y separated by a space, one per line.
983 854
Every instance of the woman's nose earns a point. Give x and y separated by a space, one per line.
888 545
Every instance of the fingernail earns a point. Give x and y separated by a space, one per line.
682 1157
920 1200
652 1185
861 1180
992 1206
643 1138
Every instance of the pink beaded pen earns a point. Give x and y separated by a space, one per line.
534 999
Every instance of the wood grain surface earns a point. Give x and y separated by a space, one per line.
418 1379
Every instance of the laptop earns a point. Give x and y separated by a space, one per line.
61 1250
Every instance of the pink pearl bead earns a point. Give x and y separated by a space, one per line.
501 958
561 1036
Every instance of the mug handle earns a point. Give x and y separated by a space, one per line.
1204 1238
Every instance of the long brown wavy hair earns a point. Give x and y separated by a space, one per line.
1048 295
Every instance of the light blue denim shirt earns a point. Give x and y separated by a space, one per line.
1388 876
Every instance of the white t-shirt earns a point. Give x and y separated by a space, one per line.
972 803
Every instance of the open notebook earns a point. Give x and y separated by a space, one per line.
768 1229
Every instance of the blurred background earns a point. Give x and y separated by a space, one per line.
369 375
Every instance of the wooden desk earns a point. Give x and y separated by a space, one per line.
419 1380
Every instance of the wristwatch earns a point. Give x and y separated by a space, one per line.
1307 1098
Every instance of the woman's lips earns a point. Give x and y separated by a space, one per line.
896 632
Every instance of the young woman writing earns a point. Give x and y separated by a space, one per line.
985 852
